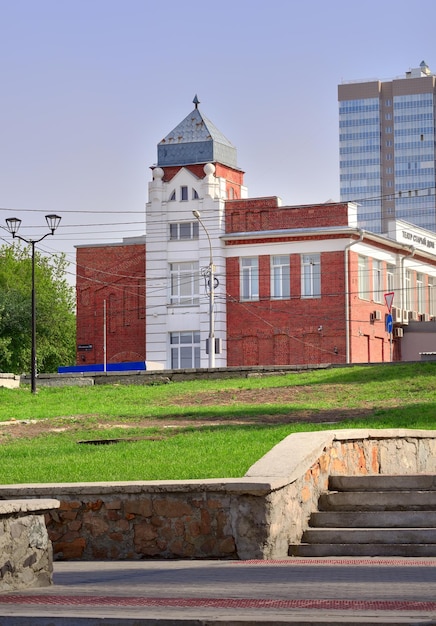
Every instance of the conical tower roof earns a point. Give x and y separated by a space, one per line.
196 140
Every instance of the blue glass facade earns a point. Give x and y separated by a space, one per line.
414 145
387 134
359 151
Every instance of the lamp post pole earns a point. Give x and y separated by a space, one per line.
13 224
211 275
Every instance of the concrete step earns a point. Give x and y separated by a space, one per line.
362 549
371 519
370 535
383 482
378 501
376 515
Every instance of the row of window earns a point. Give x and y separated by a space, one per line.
359 162
280 277
375 134
185 279
419 290
183 194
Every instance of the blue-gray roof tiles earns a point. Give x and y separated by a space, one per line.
196 140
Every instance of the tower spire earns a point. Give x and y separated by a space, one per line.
196 101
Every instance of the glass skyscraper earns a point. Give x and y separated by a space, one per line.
387 134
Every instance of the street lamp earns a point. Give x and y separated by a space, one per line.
13 225
211 279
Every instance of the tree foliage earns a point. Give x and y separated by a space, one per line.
55 317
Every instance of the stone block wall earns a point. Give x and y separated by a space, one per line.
122 525
26 558
254 517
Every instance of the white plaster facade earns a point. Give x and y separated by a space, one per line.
163 317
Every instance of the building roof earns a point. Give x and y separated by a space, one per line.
196 140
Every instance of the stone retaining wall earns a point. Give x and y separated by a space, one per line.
254 517
26 558
11 381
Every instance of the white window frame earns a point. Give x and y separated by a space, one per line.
280 277
431 290
420 292
363 277
185 349
184 283
408 290
249 278
390 278
182 231
310 275
377 280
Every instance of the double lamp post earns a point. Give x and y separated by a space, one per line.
13 225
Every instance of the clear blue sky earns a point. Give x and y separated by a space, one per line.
89 87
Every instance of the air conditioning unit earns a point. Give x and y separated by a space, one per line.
397 318
413 316
405 316
425 317
377 315
398 332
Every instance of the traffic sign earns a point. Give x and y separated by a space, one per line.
389 323
389 297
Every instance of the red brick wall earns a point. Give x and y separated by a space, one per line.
279 332
369 342
255 214
234 178
115 274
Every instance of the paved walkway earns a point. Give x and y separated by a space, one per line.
292 591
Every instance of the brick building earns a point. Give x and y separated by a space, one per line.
263 284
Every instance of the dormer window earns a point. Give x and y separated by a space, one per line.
172 196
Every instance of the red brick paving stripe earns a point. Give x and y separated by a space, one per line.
225 603
371 561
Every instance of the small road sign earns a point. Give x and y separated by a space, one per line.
389 297
389 323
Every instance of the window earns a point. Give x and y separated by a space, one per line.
280 277
194 194
432 295
184 230
173 196
363 277
311 276
183 193
185 350
408 290
184 283
390 273
249 278
420 293
377 285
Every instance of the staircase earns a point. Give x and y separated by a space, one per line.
376 515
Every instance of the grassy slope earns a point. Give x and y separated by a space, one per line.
401 395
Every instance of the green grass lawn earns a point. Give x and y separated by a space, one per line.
198 429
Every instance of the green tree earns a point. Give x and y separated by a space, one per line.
55 317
